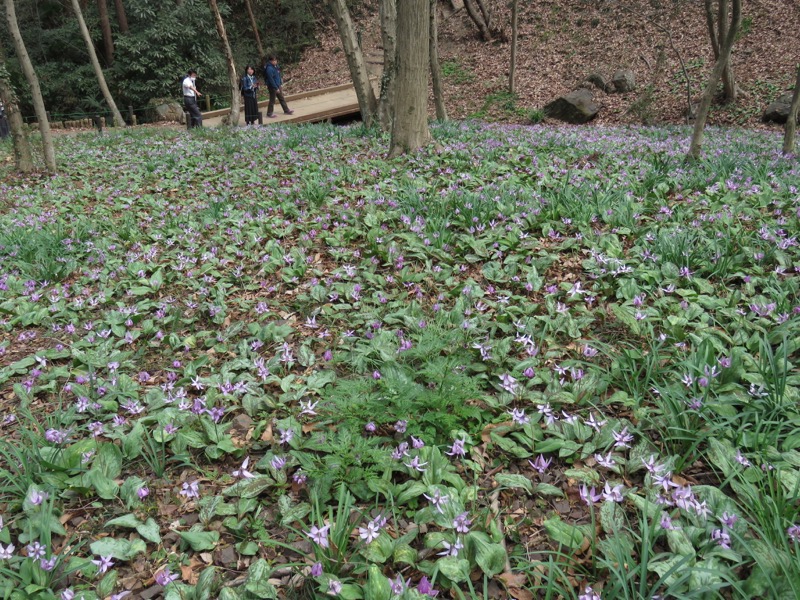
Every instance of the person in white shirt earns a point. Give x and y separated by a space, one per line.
190 95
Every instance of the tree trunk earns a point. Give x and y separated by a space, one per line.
23 160
717 31
477 18
388 16
33 81
726 46
512 67
122 16
791 122
105 27
436 70
254 25
101 80
355 61
410 116
226 48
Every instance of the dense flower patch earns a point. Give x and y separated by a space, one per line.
534 363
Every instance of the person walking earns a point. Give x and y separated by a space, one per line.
190 95
272 75
249 87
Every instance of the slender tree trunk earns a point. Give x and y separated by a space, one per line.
512 67
717 31
355 61
388 16
33 81
791 122
122 16
254 25
410 116
478 19
98 71
226 48
436 70
23 160
726 46
105 27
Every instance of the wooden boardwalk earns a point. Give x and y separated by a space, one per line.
309 107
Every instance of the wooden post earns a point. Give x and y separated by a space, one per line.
208 102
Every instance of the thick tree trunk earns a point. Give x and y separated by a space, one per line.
717 31
791 122
122 16
98 71
33 81
512 67
254 25
436 70
105 27
410 116
355 61
23 160
388 16
726 46
226 48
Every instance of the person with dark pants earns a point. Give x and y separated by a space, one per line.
249 87
190 95
272 75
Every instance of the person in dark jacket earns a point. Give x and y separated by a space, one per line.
249 87
272 75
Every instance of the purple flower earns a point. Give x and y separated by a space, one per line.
416 465
666 522
451 549
462 523
190 489
437 499
614 494
518 416
316 569
299 477
541 464
319 535
400 426
728 519
399 586
7 552
370 427
143 492
424 587
36 497
589 496
722 538
589 594
277 463
164 577
104 563
793 532
457 449
370 532
242 471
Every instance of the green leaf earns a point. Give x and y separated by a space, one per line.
403 553
380 549
250 488
514 481
679 542
120 549
612 518
105 487
257 580
571 536
290 512
491 558
200 540
454 568
108 461
546 489
106 585
377 586
128 520
412 489
150 531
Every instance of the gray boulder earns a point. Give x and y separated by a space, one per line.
575 107
778 111
624 81
598 80
168 111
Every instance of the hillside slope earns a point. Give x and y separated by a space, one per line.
562 41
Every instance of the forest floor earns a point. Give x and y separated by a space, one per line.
562 42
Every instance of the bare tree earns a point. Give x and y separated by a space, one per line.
388 17
436 69
726 45
232 77
33 81
23 160
98 71
791 121
410 115
718 32
481 16
512 67
249 5
355 61
105 27
122 16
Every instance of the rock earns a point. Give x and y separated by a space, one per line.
778 111
575 107
599 81
166 111
624 81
